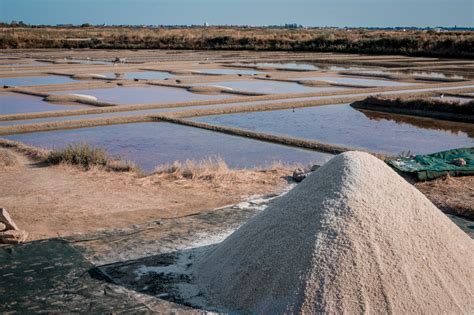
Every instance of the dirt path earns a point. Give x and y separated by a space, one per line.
61 200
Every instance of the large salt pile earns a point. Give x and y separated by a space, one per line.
353 237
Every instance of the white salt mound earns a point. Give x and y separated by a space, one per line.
353 237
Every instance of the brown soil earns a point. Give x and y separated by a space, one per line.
50 201
451 194
7 159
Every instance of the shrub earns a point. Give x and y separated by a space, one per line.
79 154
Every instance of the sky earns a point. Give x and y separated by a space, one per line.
351 13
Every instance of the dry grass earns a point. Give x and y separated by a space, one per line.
211 169
86 156
417 42
451 194
447 110
37 154
73 124
79 154
7 159
215 172
82 155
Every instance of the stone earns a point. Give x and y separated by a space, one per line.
7 220
458 162
299 174
3 227
13 237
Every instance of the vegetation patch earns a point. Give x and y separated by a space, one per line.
7 159
86 156
427 107
209 170
411 42
79 154
33 152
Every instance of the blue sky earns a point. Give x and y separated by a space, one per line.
370 13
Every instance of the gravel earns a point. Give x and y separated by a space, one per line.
353 237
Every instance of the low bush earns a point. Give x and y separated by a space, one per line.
79 154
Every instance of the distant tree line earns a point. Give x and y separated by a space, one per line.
407 42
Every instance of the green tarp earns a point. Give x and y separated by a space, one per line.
435 165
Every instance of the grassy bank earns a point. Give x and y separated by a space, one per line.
78 154
425 107
411 42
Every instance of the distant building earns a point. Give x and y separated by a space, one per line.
206 24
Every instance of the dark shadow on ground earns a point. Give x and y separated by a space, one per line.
51 276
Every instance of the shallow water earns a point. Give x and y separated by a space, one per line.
144 95
155 143
271 87
343 125
358 81
20 103
152 111
26 81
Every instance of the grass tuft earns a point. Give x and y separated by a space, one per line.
79 154
209 170
117 165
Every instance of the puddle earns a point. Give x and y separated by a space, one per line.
26 81
230 71
144 95
343 125
143 75
19 103
155 143
271 87
358 81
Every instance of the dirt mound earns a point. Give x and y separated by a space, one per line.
354 237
